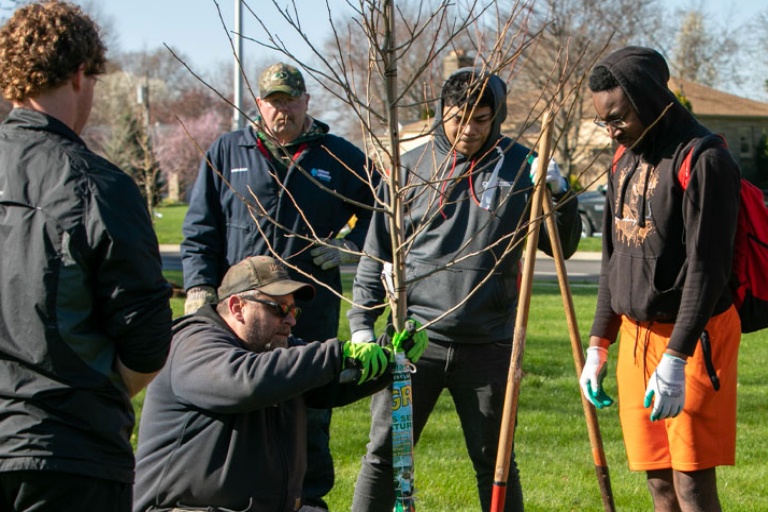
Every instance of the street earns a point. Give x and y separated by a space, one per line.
582 267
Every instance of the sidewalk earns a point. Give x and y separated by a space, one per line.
581 256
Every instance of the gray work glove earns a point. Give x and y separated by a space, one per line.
334 252
666 388
199 296
555 181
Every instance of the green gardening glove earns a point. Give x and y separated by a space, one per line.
369 358
592 375
411 340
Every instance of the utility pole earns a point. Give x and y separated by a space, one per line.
237 116
149 172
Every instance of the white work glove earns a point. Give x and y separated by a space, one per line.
667 385
199 296
554 179
592 375
334 252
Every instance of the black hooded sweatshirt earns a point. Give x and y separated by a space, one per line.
667 250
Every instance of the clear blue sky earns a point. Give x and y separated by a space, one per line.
194 26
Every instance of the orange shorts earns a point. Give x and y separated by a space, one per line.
703 435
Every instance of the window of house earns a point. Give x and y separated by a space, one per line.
745 141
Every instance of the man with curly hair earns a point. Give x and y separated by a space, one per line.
85 321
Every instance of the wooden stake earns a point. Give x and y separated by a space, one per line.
593 428
507 433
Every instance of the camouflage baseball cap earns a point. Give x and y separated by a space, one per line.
283 78
264 274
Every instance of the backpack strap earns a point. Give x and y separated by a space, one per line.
684 173
620 150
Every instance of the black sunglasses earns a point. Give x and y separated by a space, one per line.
281 310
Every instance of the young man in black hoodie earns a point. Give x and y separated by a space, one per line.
664 285
469 196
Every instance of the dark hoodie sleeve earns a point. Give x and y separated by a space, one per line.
361 192
211 372
568 222
367 289
710 213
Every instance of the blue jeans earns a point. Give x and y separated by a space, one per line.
476 377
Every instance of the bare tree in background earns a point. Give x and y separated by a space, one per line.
178 148
417 56
356 66
702 53
573 35
758 49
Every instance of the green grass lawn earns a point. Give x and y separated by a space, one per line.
551 440
167 221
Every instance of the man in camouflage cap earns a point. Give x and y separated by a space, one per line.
247 171
283 78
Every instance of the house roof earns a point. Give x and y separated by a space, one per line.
707 102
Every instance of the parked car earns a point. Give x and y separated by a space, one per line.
591 207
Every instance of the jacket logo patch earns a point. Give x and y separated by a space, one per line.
500 183
239 169
321 175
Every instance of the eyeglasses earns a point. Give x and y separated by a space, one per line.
617 123
281 310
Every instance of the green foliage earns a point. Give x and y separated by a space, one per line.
683 99
573 179
427 113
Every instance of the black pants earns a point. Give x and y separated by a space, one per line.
52 491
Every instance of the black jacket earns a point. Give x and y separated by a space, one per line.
80 284
224 426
